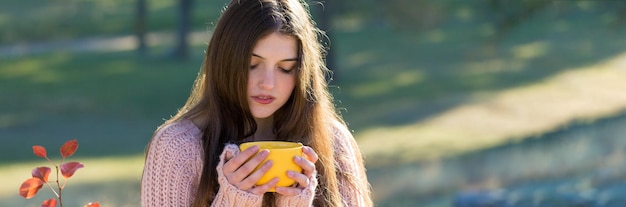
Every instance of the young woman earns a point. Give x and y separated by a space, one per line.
263 78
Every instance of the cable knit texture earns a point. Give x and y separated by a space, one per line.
350 164
173 165
305 198
228 194
175 158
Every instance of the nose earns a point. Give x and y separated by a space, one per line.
268 79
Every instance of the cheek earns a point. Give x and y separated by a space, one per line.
291 83
250 84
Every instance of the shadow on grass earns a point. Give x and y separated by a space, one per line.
391 78
110 102
96 137
586 160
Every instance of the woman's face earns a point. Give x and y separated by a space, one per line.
272 74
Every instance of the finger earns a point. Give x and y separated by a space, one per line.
236 162
260 190
252 164
228 156
288 191
307 166
310 154
251 179
301 179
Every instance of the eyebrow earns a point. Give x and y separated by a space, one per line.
288 59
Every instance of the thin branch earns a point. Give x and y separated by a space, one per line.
51 162
60 188
51 188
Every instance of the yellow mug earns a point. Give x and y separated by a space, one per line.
282 154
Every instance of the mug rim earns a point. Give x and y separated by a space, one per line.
294 145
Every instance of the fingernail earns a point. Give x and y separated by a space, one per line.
265 152
254 148
298 158
290 173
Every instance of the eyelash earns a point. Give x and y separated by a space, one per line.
287 71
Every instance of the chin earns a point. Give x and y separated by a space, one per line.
261 115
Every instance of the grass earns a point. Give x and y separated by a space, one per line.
505 116
109 101
434 76
111 181
585 159
411 96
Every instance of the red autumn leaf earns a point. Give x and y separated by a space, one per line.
30 187
39 151
41 173
93 204
69 148
49 203
68 168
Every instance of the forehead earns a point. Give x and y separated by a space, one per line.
276 45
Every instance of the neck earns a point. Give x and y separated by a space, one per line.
265 129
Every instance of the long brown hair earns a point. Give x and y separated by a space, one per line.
218 101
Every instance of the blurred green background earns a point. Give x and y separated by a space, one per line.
453 103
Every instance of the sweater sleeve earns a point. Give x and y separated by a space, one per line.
173 162
353 185
304 199
228 194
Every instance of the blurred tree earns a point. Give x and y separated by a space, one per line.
510 14
140 26
184 22
416 15
503 15
621 16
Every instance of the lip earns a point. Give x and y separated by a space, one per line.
263 99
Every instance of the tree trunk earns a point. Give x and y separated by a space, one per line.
184 22
140 27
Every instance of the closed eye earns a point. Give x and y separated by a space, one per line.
287 71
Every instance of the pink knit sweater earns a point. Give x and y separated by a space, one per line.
174 163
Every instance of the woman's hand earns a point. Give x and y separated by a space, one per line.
302 179
239 170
